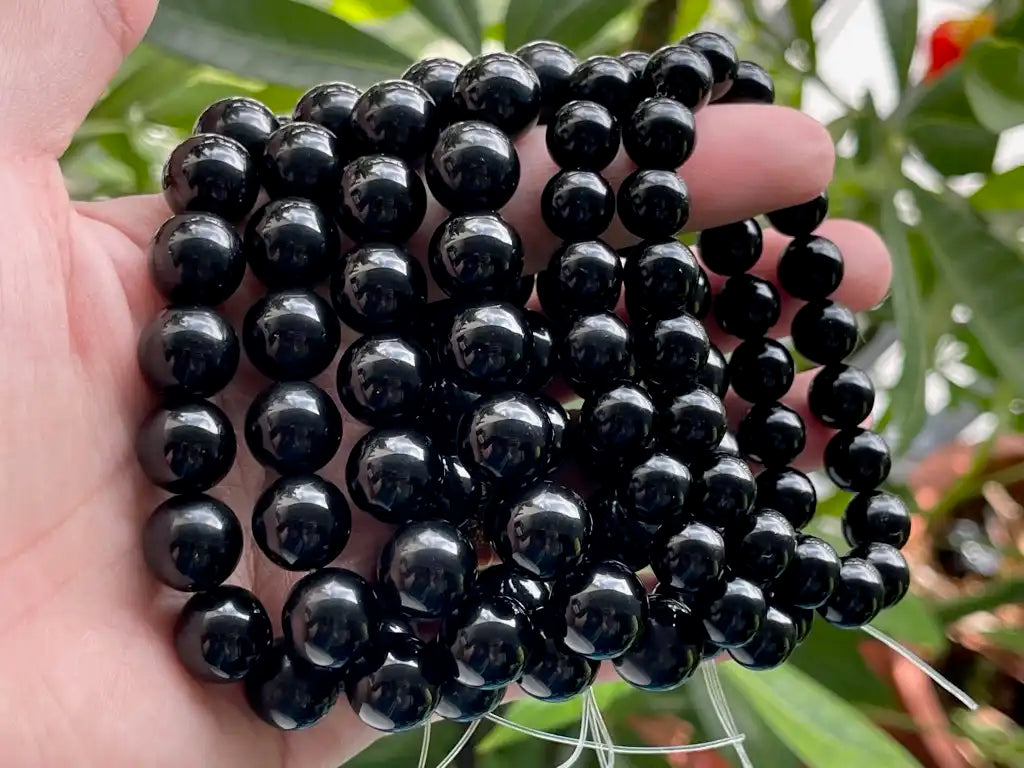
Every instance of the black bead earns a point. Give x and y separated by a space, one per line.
302 160
500 89
444 405
583 135
395 117
729 445
747 306
802 219
188 351
636 61
473 167
693 422
382 199
212 174
378 287
618 426
721 55
608 81
725 493
600 610
582 278
490 641
290 243
771 645
761 370
186 447
330 618
221 634
507 581
301 522
700 300
667 652
751 85
715 373
810 268
289 694
553 64
523 291
383 379
506 439
462 704
331 105
731 249
660 133
772 434
858 596
876 516
824 332
803 619
841 396
857 460
689 558
395 475
577 205
655 490
437 77
474 255
293 427
192 543
545 531
562 431
245 120
680 73
618 535
790 492
196 258
487 347
597 352
891 565
543 353
660 279
555 673
762 552
671 352
427 569
812 574
462 496
291 335
653 204
734 614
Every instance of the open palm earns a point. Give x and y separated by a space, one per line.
88 673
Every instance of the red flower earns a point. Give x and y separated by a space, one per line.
951 39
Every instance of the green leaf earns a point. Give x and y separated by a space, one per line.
1002 192
1008 639
831 657
689 16
953 146
802 14
519 20
366 10
983 273
900 18
913 622
572 22
281 41
820 728
993 73
459 19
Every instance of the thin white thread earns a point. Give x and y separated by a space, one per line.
599 729
921 664
460 744
581 741
425 746
721 707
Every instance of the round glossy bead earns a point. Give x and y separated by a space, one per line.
291 335
597 352
690 558
293 427
477 254
660 133
857 460
577 205
583 135
608 81
462 704
582 278
731 249
618 426
810 268
302 160
437 77
617 535
789 492
653 204
544 533
245 120
186 447
523 291
771 645
726 491
462 496
812 574
735 614
555 673
378 287
213 174
762 553
667 652
720 54
562 430
192 543
383 378
802 219
751 85
506 439
473 167
655 490
196 258
772 434
700 300
220 634
841 396
382 198
289 694
395 475
291 243
715 373
444 405
427 569
490 642
188 351
636 61
672 351
824 332
301 522
858 596
761 370
747 306
681 73
553 64
330 618
893 568
803 619
331 105
395 117
506 581
729 445
660 279
487 347
693 422
876 516
500 89
543 353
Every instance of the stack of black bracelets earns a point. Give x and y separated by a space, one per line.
467 445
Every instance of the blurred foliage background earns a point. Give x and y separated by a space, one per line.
946 349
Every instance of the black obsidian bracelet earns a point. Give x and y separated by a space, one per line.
465 444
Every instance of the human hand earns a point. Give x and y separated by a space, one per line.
88 674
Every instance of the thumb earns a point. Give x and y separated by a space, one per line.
58 56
